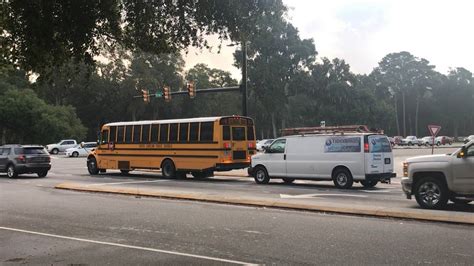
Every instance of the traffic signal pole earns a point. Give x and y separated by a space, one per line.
244 78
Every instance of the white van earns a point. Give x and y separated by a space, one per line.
343 158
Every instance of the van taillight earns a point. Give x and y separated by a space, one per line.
366 147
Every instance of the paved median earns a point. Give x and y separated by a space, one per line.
282 203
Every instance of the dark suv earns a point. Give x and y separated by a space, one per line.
24 159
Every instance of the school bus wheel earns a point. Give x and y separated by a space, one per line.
168 170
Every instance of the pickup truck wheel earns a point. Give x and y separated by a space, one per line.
342 178
75 154
260 175
369 184
431 193
460 201
54 151
288 180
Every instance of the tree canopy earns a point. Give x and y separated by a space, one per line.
39 34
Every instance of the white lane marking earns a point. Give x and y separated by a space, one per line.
377 191
307 196
129 182
128 246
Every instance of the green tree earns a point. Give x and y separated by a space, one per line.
27 119
406 77
44 33
210 104
277 56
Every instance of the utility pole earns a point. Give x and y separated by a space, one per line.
244 78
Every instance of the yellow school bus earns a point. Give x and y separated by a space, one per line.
198 146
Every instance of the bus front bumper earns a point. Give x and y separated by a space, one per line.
231 166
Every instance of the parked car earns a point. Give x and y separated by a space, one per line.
82 149
410 141
444 140
397 140
435 179
344 159
468 139
23 159
263 144
427 141
61 146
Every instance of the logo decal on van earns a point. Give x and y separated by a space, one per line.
342 144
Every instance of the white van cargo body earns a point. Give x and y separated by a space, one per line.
343 158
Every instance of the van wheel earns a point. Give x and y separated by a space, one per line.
168 170
260 175
42 174
92 166
431 193
11 172
288 180
342 178
369 184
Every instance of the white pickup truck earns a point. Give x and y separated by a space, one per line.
61 146
435 179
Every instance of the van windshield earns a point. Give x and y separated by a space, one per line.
379 144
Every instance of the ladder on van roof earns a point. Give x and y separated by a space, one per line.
329 129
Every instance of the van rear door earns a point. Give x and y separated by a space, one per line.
378 154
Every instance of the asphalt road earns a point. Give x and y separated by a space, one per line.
42 225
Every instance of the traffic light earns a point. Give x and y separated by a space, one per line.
191 89
146 96
158 94
167 93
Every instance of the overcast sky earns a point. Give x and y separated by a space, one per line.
362 32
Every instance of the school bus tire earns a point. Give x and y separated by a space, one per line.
92 165
168 169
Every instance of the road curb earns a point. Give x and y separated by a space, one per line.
385 212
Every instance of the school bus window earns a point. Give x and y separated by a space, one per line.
113 134
164 132
128 134
137 133
183 132
173 133
194 132
226 133
145 134
250 133
207 131
104 137
238 133
120 134
155 130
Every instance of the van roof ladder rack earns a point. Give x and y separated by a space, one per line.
329 130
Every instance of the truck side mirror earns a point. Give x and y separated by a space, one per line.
462 153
